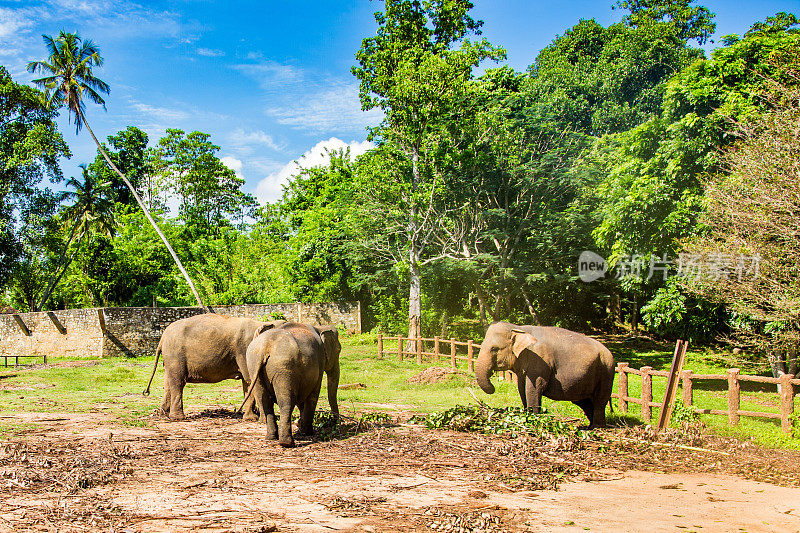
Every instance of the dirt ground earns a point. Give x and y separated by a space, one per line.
214 472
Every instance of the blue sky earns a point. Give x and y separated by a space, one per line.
270 81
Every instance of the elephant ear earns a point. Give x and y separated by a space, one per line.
330 338
522 341
264 327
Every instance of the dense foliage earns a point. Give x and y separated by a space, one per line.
475 205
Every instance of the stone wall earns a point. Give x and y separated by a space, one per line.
133 331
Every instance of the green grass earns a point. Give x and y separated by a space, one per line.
113 386
709 394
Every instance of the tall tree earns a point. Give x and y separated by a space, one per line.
70 77
128 150
209 191
415 69
30 149
92 211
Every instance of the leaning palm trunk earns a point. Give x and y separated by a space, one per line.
64 268
49 290
146 212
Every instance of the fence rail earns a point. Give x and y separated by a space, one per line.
437 349
786 385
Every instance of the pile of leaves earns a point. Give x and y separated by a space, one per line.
510 421
333 427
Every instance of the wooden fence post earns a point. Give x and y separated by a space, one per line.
400 348
622 387
787 403
470 356
453 352
733 396
686 385
436 348
647 394
419 351
380 346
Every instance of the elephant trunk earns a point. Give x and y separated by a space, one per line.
484 366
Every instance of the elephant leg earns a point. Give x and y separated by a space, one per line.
306 425
272 426
248 411
285 426
533 391
260 400
176 384
521 379
600 399
165 403
588 409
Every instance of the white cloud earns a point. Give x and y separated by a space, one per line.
210 52
244 140
233 164
335 107
271 75
270 188
160 113
12 21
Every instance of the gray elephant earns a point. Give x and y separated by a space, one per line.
549 361
205 348
286 365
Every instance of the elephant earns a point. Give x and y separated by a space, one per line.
286 365
552 362
205 348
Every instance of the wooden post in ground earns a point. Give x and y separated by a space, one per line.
419 351
453 352
622 387
733 396
470 356
380 346
436 349
787 403
647 394
686 384
672 384
400 347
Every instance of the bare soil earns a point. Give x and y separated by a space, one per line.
438 374
214 472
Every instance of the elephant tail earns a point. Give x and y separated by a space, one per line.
253 379
146 391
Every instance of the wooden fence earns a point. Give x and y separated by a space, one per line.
435 350
733 378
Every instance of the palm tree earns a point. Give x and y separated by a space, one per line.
69 78
91 212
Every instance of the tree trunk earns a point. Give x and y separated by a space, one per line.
613 311
635 315
58 278
415 279
481 303
530 307
443 333
147 214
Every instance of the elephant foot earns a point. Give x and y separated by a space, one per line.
286 443
250 417
177 417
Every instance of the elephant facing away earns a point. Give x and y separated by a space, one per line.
205 348
286 365
552 362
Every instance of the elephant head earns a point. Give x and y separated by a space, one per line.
332 348
330 340
500 349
